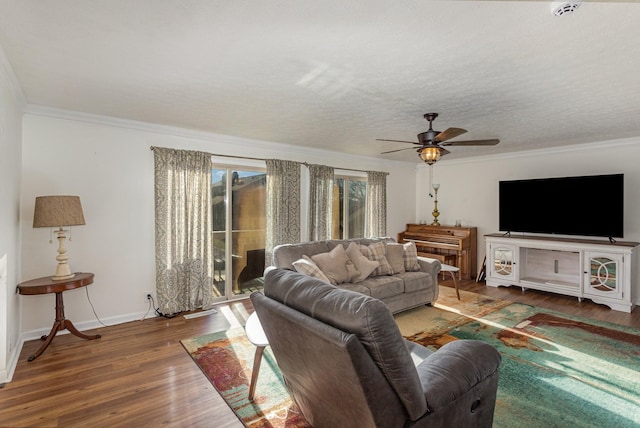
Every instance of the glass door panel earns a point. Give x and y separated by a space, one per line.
349 205
247 261
356 208
238 230
219 264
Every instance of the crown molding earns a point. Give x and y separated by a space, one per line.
240 145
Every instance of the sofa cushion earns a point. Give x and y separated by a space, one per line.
414 281
410 256
382 287
395 257
306 266
376 252
355 287
336 265
285 254
363 265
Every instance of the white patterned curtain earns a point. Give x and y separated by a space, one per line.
376 213
320 202
283 205
183 230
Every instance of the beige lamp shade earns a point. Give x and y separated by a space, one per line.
58 211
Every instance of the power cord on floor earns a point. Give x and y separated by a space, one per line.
158 313
92 308
150 300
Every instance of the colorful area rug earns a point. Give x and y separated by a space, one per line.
226 359
557 370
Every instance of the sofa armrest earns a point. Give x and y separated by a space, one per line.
454 369
268 269
431 266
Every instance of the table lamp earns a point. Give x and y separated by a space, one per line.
59 211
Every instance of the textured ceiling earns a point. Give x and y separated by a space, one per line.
337 74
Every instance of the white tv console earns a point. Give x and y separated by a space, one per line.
602 271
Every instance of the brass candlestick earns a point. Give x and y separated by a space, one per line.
435 212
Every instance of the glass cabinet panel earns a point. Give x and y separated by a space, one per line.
602 274
502 261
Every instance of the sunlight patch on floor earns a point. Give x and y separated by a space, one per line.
200 314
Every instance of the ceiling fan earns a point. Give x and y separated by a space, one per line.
432 142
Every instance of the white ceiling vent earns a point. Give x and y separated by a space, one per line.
559 8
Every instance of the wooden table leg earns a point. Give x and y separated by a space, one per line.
455 283
256 369
47 340
60 324
73 330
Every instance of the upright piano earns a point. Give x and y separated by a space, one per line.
449 244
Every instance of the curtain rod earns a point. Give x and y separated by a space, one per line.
262 159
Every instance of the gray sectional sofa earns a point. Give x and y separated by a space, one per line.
400 288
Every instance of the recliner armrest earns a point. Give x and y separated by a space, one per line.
454 369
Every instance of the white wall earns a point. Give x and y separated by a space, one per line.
109 164
11 103
469 188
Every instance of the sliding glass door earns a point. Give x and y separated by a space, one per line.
349 203
238 199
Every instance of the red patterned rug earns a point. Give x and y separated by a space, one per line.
226 358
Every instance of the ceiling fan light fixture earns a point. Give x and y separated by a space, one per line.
430 155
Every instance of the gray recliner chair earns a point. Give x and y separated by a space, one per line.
346 363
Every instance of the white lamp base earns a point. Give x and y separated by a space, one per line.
63 271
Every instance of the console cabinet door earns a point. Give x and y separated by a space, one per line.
503 259
604 274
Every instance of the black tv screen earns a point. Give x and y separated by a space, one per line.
587 205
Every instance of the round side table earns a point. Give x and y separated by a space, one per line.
256 335
452 271
47 285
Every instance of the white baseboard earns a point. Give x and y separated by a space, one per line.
12 362
89 325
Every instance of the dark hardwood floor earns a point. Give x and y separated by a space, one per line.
138 374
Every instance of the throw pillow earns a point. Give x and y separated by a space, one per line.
395 257
306 266
363 265
334 265
410 257
376 252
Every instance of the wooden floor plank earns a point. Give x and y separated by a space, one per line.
138 373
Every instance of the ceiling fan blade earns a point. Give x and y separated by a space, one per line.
398 150
398 141
444 151
471 143
449 134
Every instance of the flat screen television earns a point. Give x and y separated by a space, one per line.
587 205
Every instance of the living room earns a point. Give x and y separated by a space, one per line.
107 161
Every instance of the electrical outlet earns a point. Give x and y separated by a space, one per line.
148 296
